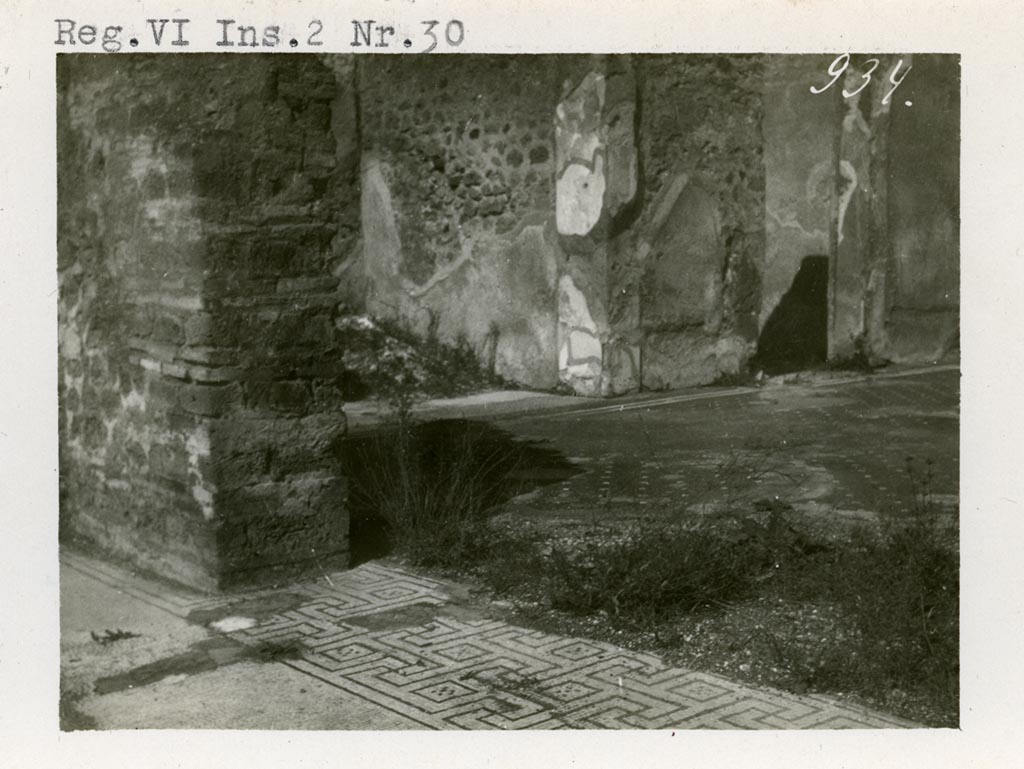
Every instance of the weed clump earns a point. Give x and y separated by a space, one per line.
385 359
899 591
895 588
654 569
431 487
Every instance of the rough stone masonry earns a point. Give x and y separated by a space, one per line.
607 223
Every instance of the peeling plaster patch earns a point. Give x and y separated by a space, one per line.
583 345
819 180
134 400
143 159
71 342
172 301
580 147
381 242
578 116
580 197
579 353
792 223
848 172
198 448
180 211
572 306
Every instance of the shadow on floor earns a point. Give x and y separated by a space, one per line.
500 465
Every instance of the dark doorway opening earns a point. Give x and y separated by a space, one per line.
795 337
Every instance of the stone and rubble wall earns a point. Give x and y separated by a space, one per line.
199 219
277 171
457 204
135 467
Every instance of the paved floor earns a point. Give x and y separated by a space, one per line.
374 648
377 647
839 449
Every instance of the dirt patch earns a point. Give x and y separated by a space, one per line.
407 616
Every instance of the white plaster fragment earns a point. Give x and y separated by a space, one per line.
71 342
573 310
133 400
580 146
382 243
583 345
198 447
233 623
848 172
580 197
175 301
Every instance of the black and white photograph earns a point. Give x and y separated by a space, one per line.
509 392
389 378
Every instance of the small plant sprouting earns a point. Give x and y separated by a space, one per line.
112 636
921 479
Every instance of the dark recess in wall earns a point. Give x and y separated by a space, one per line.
795 335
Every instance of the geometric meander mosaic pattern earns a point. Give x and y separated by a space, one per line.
447 672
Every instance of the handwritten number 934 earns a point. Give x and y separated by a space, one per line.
839 66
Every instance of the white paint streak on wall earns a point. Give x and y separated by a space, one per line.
848 172
381 241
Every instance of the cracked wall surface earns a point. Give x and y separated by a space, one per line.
800 169
457 194
919 299
873 185
701 228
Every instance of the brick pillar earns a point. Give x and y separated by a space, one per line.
199 360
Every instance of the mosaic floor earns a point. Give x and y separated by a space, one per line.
873 445
397 640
